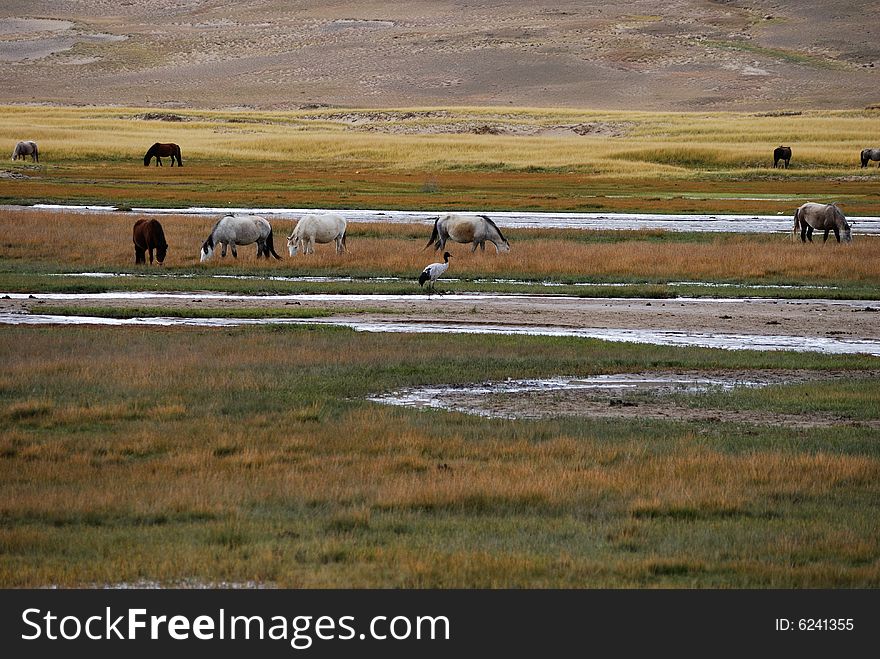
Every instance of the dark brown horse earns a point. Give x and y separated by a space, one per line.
781 153
148 235
159 151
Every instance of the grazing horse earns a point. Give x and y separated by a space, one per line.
463 229
23 149
159 151
870 154
239 230
148 235
826 217
313 229
781 153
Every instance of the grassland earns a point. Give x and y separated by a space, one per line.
191 457
482 159
199 457
37 247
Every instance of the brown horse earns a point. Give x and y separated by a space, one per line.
148 235
159 151
781 153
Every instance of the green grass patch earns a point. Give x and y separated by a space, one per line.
194 456
177 312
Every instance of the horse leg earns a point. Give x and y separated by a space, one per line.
804 227
234 251
825 237
474 248
151 256
139 256
223 250
836 233
810 233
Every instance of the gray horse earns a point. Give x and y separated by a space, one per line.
239 230
464 229
825 217
23 149
870 154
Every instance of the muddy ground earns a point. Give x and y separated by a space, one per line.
657 395
808 318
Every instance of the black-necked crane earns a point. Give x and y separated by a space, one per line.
433 271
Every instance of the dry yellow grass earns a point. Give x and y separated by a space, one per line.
649 144
104 241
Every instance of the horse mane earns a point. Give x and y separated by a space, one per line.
160 232
210 240
489 220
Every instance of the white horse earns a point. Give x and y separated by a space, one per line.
23 149
465 229
313 229
240 230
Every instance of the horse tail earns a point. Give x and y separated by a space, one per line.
177 152
36 153
435 234
270 246
797 223
493 225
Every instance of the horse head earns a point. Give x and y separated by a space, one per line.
292 245
161 252
207 250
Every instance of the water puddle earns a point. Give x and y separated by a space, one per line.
635 397
830 345
713 223
534 398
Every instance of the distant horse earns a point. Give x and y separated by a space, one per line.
159 151
781 153
464 229
313 229
239 230
23 149
825 217
148 235
870 154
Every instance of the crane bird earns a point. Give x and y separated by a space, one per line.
433 271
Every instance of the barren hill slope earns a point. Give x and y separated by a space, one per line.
639 54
